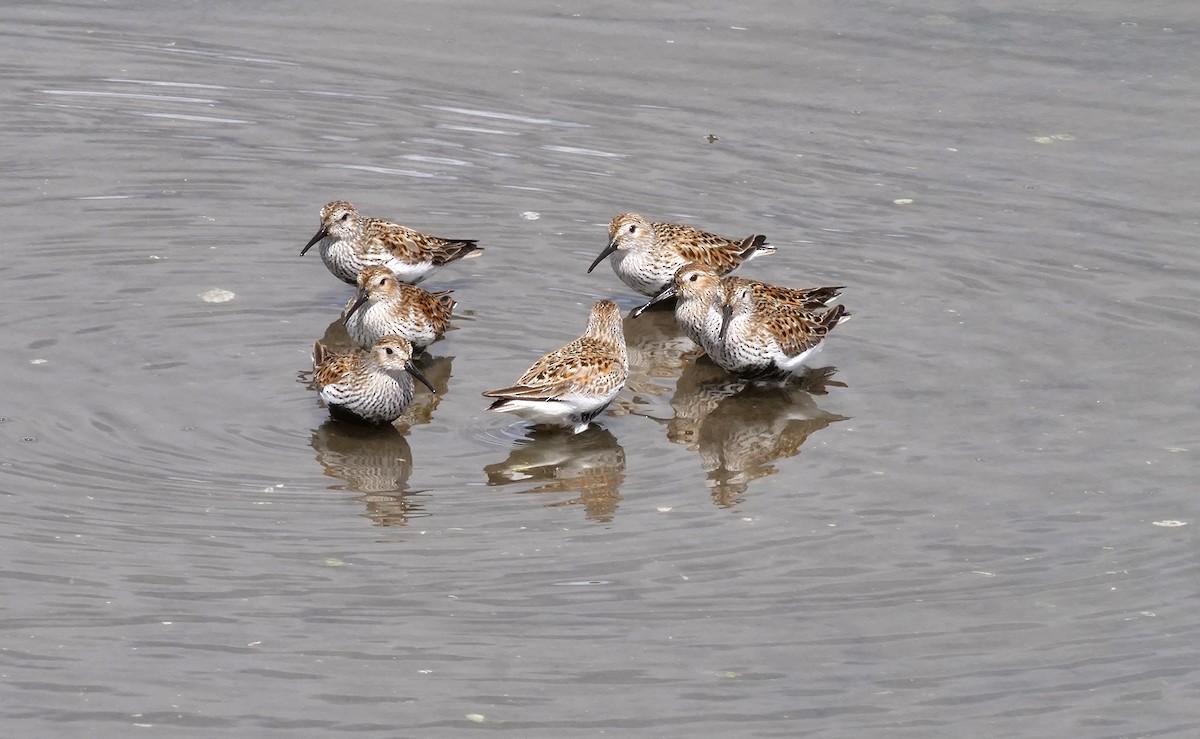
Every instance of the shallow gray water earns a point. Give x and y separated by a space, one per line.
970 528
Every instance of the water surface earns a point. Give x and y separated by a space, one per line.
968 525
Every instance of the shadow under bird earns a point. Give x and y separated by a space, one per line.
646 256
572 385
751 328
385 305
349 242
371 387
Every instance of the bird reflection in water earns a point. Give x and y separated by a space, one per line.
591 464
374 462
658 352
740 428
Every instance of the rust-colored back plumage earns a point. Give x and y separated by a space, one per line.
567 370
320 355
797 331
718 253
330 367
410 245
812 298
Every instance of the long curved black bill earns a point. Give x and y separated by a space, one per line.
661 295
412 370
362 299
726 315
320 235
603 255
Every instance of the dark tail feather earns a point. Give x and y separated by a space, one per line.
319 354
832 317
455 249
819 296
754 243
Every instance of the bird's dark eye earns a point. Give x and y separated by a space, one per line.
389 350
633 228
344 216
692 278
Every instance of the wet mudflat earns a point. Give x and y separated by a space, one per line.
980 520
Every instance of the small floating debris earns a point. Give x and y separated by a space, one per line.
38 361
217 295
1170 524
903 201
531 215
1053 137
712 138
478 718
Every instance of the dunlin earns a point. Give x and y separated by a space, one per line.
762 337
350 242
646 255
372 387
703 293
570 386
386 306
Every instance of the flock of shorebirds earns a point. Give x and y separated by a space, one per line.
752 329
